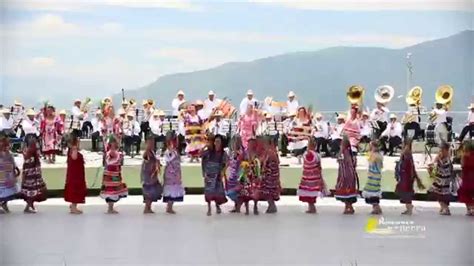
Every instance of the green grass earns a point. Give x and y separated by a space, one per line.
192 178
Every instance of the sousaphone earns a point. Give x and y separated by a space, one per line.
444 95
355 94
414 96
384 94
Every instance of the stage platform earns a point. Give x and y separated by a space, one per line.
53 237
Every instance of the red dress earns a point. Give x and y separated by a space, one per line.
75 189
466 191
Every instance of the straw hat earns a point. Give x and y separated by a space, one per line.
130 114
341 116
219 113
180 92
292 114
62 112
211 92
98 112
161 113
393 116
121 112
124 102
199 103
318 115
471 106
249 92
291 94
30 112
365 113
77 101
18 103
268 115
6 111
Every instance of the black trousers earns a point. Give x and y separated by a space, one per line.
129 141
284 145
87 129
322 145
393 142
335 147
95 141
181 144
378 132
469 129
144 129
160 143
77 133
412 126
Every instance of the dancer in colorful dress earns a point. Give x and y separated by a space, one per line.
250 177
49 132
113 188
406 175
232 186
151 168
444 176
347 179
173 190
33 188
466 191
247 126
270 187
8 174
352 129
312 184
214 161
300 133
75 189
372 191
194 133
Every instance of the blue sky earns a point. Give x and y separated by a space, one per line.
94 48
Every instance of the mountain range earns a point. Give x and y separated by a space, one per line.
321 78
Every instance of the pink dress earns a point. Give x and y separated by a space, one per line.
50 140
248 125
352 130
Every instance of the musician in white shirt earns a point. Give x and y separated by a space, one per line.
77 118
284 135
249 100
393 133
365 128
321 134
219 126
148 110
412 121
209 105
30 126
96 129
18 112
131 133
292 104
440 122
336 135
6 123
157 121
469 128
380 116
177 102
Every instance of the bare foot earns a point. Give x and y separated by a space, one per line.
445 212
271 210
407 212
218 210
234 211
209 213
112 212
76 211
311 211
170 211
255 212
29 211
247 212
148 211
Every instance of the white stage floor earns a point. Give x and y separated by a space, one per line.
291 237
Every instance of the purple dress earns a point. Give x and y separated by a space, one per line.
173 190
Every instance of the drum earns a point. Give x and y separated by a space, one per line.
430 135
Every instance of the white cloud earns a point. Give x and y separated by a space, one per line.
373 5
83 5
43 61
111 27
52 24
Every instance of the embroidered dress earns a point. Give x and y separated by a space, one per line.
75 189
250 179
298 136
352 130
312 183
233 174
173 190
440 188
50 138
113 189
151 186
213 164
248 126
372 191
33 187
194 135
347 179
466 191
270 187
407 174
8 182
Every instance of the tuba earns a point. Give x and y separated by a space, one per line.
355 94
444 95
384 94
85 105
414 96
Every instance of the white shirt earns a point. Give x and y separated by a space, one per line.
267 128
175 105
470 117
336 132
245 103
412 113
6 123
209 106
292 107
221 127
440 116
321 129
287 125
394 129
30 127
156 126
365 128
202 114
77 117
379 114
96 125
131 128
